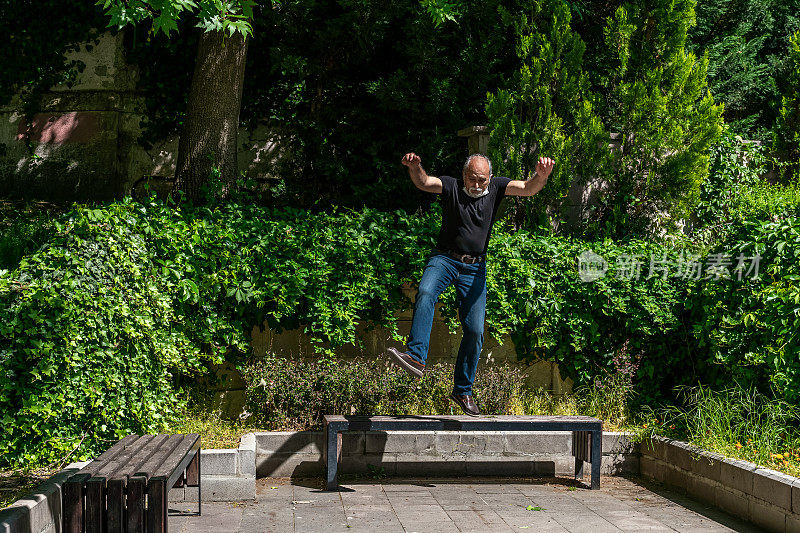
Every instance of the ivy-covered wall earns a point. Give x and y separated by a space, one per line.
82 143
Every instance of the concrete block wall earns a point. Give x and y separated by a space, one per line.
226 475
40 511
768 499
436 453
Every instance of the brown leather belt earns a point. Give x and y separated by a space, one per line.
464 258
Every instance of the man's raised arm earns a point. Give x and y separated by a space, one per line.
419 177
532 185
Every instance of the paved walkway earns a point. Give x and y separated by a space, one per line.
478 505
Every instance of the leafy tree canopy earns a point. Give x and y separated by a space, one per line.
229 16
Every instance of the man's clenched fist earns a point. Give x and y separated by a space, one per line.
411 160
544 167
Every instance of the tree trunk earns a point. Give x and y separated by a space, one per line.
208 140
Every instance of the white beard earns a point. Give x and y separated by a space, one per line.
477 195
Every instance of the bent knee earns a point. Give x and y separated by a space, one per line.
426 295
473 329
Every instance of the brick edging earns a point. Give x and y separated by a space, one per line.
765 497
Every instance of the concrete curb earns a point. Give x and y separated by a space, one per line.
438 453
765 497
226 474
40 511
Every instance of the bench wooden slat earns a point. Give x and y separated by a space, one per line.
144 455
182 456
95 488
107 455
122 458
72 503
115 505
154 461
157 505
135 504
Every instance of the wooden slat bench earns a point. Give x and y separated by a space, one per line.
587 434
126 488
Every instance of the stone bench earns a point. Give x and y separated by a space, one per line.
587 434
126 487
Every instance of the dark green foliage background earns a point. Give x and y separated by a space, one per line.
35 45
127 303
348 86
748 43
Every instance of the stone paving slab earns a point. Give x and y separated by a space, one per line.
456 505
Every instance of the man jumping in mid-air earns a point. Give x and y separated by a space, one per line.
469 207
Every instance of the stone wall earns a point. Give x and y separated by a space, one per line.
438 453
539 374
765 497
443 347
82 144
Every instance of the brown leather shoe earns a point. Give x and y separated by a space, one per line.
467 404
406 362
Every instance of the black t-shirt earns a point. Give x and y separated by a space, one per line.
466 221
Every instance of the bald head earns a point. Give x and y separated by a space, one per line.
477 173
478 163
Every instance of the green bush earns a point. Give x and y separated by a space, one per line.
86 341
748 328
102 326
24 227
734 192
291 394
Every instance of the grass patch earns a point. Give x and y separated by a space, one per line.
215 430
735 422
15 484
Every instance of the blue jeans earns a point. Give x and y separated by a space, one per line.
440 272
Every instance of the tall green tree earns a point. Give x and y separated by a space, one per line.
345 85
545 110
748 67
208 141
787 131
348 41
656 99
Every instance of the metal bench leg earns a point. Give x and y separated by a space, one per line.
579 446
193 480
332 440
597 457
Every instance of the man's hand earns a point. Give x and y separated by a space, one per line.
533 184
421 179
411 160
544 167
